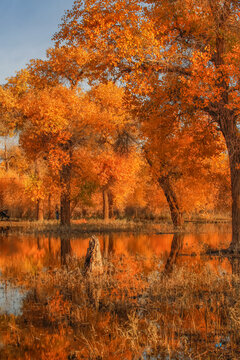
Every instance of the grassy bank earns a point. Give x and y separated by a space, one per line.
115 225
77 226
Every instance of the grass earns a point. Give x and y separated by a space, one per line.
81 227
112 225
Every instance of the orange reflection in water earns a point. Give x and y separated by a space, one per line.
191 309
24 252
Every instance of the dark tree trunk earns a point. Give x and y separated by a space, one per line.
233 146
6 157
227 121
1 199
65 199
165 184
110 201
105 195
172 200
39 210
50 209
39 203
65 213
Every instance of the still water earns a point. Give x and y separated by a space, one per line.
161 297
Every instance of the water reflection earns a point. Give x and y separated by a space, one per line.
22 252
108 244
235 262
193 313
176 247
66 249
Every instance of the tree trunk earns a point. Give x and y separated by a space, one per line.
171 197
235 184
50 210
110 201
227 121
1 199
165 184
39 210
65 202
233 146
6 157
105 204
65 213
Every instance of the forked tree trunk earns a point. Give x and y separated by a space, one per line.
105 196
165 184
176 214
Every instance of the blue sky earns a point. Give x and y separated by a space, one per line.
26 28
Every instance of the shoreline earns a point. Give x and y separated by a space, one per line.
101 226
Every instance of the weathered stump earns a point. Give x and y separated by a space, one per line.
93 263
93 269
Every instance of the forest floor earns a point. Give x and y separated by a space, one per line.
113 225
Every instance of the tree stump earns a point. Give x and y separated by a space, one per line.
93 269
93 262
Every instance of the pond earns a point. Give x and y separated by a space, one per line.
160 297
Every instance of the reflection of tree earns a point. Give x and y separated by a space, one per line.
3 236
65 248
38 243
50 243
176 247
235 262
108 244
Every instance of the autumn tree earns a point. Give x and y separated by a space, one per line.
71 68
7 123
201 49
64 125
177 144
117 159
56 123
196 42
125 62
